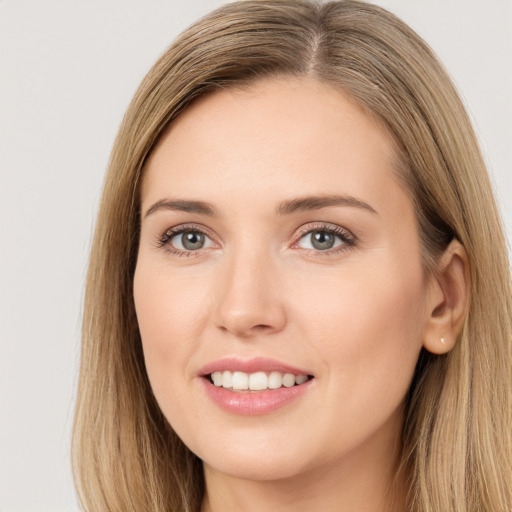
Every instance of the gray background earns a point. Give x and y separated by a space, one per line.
67 72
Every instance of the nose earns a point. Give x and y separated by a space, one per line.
249 301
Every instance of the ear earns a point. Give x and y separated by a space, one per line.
448 300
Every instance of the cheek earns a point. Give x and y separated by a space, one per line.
366 323
167 310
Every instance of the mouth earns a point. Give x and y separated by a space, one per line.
255 386
244 382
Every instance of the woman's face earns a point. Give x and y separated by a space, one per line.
276 240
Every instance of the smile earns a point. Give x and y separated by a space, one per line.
254 387
259 381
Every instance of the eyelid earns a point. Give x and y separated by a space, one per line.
163 240
327 226
347 237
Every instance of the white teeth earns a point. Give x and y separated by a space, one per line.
275 380
241 381
227 379
258 381
300 379
288 380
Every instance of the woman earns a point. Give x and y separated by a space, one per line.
299 293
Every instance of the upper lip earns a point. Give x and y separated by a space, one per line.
257 364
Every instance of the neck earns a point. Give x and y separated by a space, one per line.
364 481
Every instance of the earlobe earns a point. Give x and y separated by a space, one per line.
448 300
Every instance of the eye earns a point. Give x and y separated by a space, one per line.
189 240
183 241
326 238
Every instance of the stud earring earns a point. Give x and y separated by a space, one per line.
443 340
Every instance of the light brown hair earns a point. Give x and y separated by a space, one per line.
457 447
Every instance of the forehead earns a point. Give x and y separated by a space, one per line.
276 136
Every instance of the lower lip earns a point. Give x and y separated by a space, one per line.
254 403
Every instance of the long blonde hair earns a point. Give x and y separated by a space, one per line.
457 448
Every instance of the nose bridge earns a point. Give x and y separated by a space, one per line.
248 302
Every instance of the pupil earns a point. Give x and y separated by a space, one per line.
322 240
192 240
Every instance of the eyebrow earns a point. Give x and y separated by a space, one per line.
200 207
287 207
317 202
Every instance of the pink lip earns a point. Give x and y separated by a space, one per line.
252 403
257 364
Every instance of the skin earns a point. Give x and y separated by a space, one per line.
355 316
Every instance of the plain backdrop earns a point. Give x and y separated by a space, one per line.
68 69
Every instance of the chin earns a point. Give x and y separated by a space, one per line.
256 469
258 458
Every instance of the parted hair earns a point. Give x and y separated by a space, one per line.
456 441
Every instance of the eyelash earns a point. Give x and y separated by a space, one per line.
347 238
164 240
